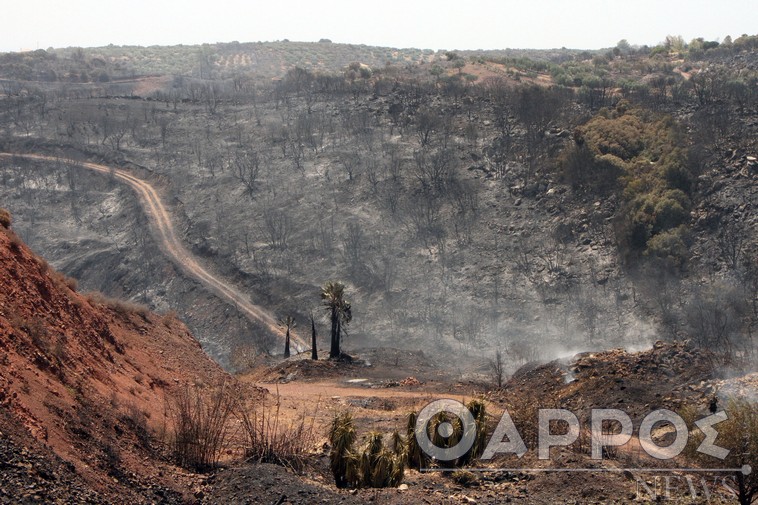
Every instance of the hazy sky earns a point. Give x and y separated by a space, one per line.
426 24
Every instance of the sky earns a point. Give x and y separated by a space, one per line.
424 24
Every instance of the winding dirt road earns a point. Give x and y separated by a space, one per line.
163 230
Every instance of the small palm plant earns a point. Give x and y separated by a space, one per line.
342 460
374 466
414 456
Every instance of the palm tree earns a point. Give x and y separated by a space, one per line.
289 323
333 296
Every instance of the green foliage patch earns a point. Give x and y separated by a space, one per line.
642 156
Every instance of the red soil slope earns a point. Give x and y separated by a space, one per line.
89 378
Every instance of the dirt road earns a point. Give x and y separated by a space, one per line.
163 230
373 409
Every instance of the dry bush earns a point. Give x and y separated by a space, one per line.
5 218
122 307
245 358
268 439
464 478
524 413
738 434
136 420
111 458
16 241
169 318
60 279
36 328
200 422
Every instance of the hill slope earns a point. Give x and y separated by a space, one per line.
89 380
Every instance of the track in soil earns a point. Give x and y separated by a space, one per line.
165 234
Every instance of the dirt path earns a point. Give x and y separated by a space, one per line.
164 232
373 409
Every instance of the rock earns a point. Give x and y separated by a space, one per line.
402 487
410 381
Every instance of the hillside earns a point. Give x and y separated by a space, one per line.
86 382
86 385
510 229
534 202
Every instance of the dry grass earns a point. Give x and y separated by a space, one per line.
268 439
121 307
200 422
738 434
5 218
15 241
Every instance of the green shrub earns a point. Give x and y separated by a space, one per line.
639 153
670 245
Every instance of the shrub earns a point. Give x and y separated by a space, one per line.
136 420
375 466
36 328
270 440
463 478
5 218
341 458
122 307
738 434
670 245
200 426
479 412
380 467
639 153
414 456
585 171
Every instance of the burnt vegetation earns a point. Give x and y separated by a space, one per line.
532 202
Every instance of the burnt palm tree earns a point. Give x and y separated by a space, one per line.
333 296
288 322
314 349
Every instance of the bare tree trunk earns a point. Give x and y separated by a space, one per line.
287 344
334 351
314 349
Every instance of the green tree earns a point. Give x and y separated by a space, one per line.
333 297
624 47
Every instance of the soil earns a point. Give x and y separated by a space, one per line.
64 439
665 376
90 379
